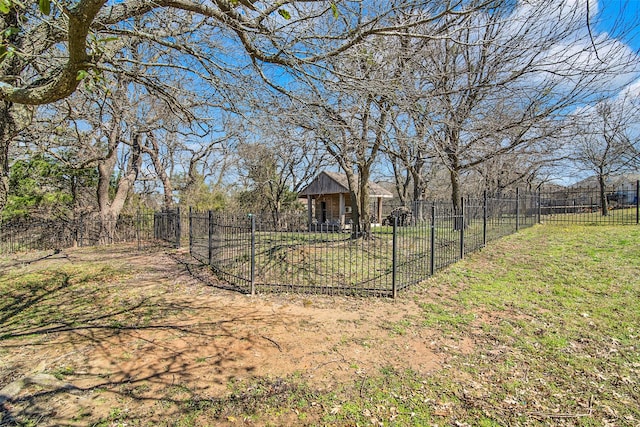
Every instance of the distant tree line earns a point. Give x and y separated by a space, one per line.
108 107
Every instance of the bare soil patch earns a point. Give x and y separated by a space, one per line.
169 336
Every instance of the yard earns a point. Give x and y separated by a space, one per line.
539 328
253 256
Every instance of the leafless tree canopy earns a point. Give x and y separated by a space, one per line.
179 96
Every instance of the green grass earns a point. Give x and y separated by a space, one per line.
563 319
33 301
552 312
615 216
37 300
334 260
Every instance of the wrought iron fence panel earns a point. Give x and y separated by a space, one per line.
283 252
585 206
321 261
229 248
474 236
167 226
57 234
413 248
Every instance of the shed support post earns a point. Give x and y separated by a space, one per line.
310 212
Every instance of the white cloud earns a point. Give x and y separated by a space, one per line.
563 49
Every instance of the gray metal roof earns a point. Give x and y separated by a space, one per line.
336 183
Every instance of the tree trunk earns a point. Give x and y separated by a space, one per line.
275 213
110 208
365 214
154 153
13 119
418 193
418 185
355 214
456 198
603 195
9 126
454 176
402 179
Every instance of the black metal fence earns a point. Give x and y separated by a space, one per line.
585 206
142 228
249 253
257 254
166 226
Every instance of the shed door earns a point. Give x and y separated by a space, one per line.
323 212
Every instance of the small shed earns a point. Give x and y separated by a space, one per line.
329 201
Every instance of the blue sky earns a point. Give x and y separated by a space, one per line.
628 11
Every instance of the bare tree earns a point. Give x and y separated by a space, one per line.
275 168
352 131
606 141
182 157
504 80
409 150
111 133
521 168
352 112
48 48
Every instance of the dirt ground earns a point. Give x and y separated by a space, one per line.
204 339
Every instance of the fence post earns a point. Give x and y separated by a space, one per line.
178 228
462 224
190 228
155 225
394 259
432 260
253 254
138 229
638 201
210 237
539 205
517 209
484 218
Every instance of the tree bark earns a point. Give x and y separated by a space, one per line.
110 208
603 195
154 153
354 198
13 119
365 215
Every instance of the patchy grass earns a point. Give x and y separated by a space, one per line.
38 301
554 313
561 320
555 316
539 328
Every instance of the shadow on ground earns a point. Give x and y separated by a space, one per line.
81 339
